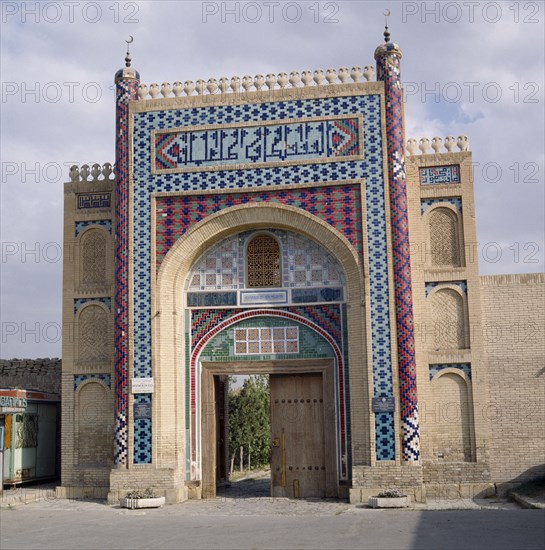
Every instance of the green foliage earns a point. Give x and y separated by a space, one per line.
249 420
139 493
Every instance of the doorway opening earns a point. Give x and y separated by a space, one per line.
245 435
303 426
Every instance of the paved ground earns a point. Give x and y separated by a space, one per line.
241 518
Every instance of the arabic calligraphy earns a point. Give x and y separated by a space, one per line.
229 147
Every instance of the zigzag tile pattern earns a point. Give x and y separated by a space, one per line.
388 70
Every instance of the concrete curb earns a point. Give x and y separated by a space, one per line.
526 502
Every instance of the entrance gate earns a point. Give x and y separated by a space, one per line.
297 426
303 425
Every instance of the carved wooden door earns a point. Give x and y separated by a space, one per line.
298 462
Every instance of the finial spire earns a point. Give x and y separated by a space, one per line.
386 14
128 57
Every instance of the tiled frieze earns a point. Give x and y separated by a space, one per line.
87 201
227 146
433 175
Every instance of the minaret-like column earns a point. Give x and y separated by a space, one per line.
388 57
127 81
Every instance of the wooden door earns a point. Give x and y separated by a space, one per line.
298 461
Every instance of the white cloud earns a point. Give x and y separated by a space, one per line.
172 42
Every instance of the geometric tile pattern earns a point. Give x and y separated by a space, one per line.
427 203
284 142
223 347
461 284
94 200
234 182
126 90
78 302
106 224
430 175
464 367
305 263
249 314
79 378
142 432
145 182
340 206
327 317
388 71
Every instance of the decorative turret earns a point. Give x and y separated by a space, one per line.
127 81
388 57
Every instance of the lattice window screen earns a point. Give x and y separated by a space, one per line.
263 260
250 341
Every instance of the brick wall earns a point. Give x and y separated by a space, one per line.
513 308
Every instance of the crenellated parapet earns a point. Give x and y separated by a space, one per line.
436 145
247 83
93 173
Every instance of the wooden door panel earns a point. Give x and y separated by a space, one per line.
298 465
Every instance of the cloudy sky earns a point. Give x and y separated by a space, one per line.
468 69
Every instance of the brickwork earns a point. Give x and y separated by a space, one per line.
157 280
514 318
88 343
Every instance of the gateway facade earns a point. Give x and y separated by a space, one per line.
261 225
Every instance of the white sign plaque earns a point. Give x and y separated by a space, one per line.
142 385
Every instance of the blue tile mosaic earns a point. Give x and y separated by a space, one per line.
78 302
427 203
94 200
434 175
142 428
461 284
106 224
464 367
371 168
266 142
80 378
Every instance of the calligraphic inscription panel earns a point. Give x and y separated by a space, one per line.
233 146
433 175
